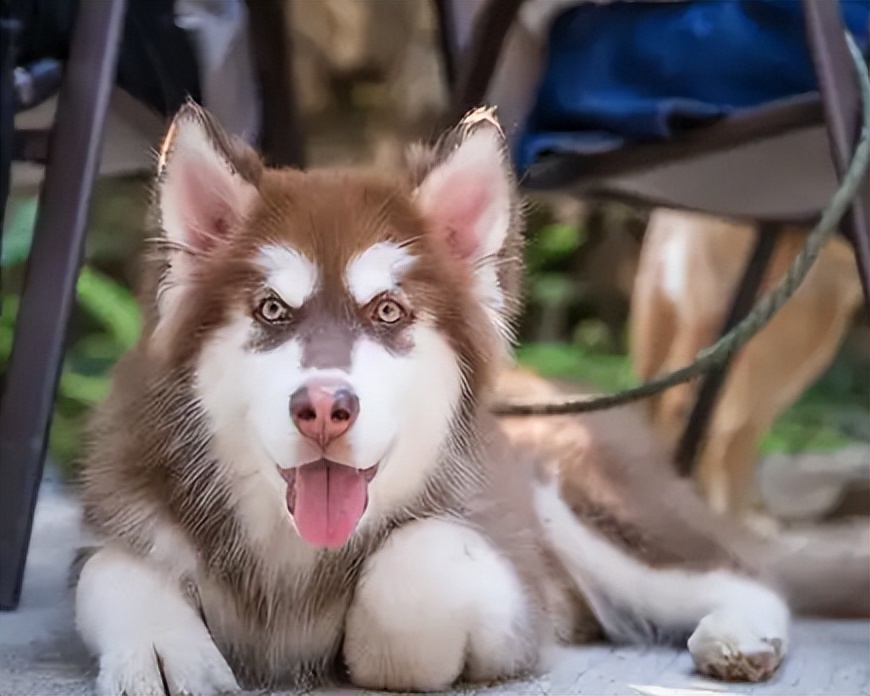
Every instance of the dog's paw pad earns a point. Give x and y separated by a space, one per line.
733 664
732 651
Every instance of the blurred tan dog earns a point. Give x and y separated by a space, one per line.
689 268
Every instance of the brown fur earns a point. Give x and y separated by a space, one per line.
613 472
149 463
150 471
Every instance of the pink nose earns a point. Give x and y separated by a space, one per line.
324 411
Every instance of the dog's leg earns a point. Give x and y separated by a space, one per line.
436 602
738 627
149 640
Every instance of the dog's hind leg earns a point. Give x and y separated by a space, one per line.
148 638
737 627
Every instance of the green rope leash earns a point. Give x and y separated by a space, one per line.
761 314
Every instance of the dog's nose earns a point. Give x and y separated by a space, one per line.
324 411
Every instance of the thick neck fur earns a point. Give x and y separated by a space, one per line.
156 468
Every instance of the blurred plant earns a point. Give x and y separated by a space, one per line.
591 369
552 244
106 324
550 290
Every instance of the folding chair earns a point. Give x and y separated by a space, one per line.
773 163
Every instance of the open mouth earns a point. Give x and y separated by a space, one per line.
327 500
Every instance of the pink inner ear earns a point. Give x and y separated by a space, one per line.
458 209
208 214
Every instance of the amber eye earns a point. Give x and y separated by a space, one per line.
271 311
388 311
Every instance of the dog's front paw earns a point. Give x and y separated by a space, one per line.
436 603
733 647
147 635
173 665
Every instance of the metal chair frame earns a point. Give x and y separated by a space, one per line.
837 107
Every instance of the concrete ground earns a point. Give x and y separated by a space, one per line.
40 654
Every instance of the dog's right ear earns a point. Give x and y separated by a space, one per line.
202 195
206 185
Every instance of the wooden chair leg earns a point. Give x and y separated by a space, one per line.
52 270
695 431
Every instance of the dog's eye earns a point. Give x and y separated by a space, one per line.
271 311
388 311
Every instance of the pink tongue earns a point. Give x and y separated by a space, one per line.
330 499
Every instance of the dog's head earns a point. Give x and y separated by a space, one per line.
341 326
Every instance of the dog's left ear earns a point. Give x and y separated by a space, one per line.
468 193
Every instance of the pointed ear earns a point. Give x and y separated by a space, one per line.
468 193
206 185
468 196
203 191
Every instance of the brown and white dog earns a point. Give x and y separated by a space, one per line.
297 478
690 265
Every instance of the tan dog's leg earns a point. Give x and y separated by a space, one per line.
693 264
653 322
726 469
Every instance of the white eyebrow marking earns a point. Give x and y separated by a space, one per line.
289 273
377 269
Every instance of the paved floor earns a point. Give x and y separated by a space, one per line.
40 654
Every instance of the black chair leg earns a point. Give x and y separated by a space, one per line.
477 64
857 230
8 31
695 431
282 140
447 41
842 105
52 270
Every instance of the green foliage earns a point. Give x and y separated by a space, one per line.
802 429
105 325
18 236
553 244
831 414
550 289
602 371
113 307
112 317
